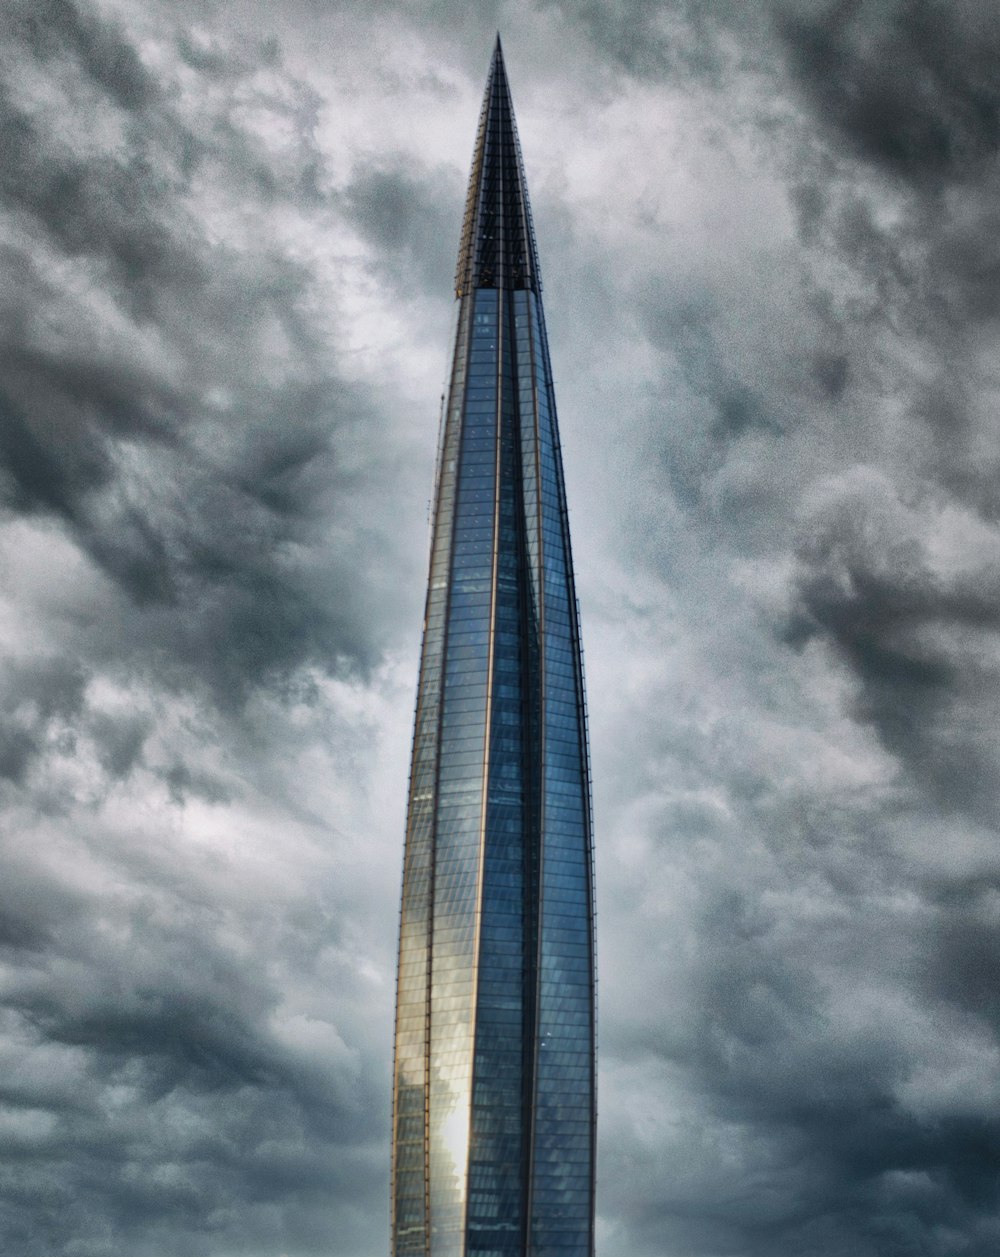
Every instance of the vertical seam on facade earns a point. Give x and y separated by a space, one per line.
420 707
539 530
486 758
465 321
586 792
587 796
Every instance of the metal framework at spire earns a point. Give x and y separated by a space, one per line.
498 239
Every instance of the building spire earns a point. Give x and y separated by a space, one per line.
498 240
494 1112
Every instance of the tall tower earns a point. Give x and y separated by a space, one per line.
494 1105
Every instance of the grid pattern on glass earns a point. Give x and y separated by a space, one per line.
459 830
562 1158
494 1116
505 1009
410 1185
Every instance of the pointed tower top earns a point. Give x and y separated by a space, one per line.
498 240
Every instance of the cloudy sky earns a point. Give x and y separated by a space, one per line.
770 235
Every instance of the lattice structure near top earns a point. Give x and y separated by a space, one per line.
498 238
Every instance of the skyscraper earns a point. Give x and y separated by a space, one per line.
494 1106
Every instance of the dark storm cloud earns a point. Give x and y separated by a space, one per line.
922 644
648 38
184 500
801 1078
156 1091
912 86
800 775
411 217
34 694
792 665
906 99
52 28
911 90
191 550
215 1116
818 1153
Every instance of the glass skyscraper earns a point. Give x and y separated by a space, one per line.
494 1103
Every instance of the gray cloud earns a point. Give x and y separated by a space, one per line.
910 86
193 551
408 216
143 442
922 644
798 748
769 243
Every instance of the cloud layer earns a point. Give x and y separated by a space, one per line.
769 241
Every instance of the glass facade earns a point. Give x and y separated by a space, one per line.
494 1088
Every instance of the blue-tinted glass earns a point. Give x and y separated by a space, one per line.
494 1091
